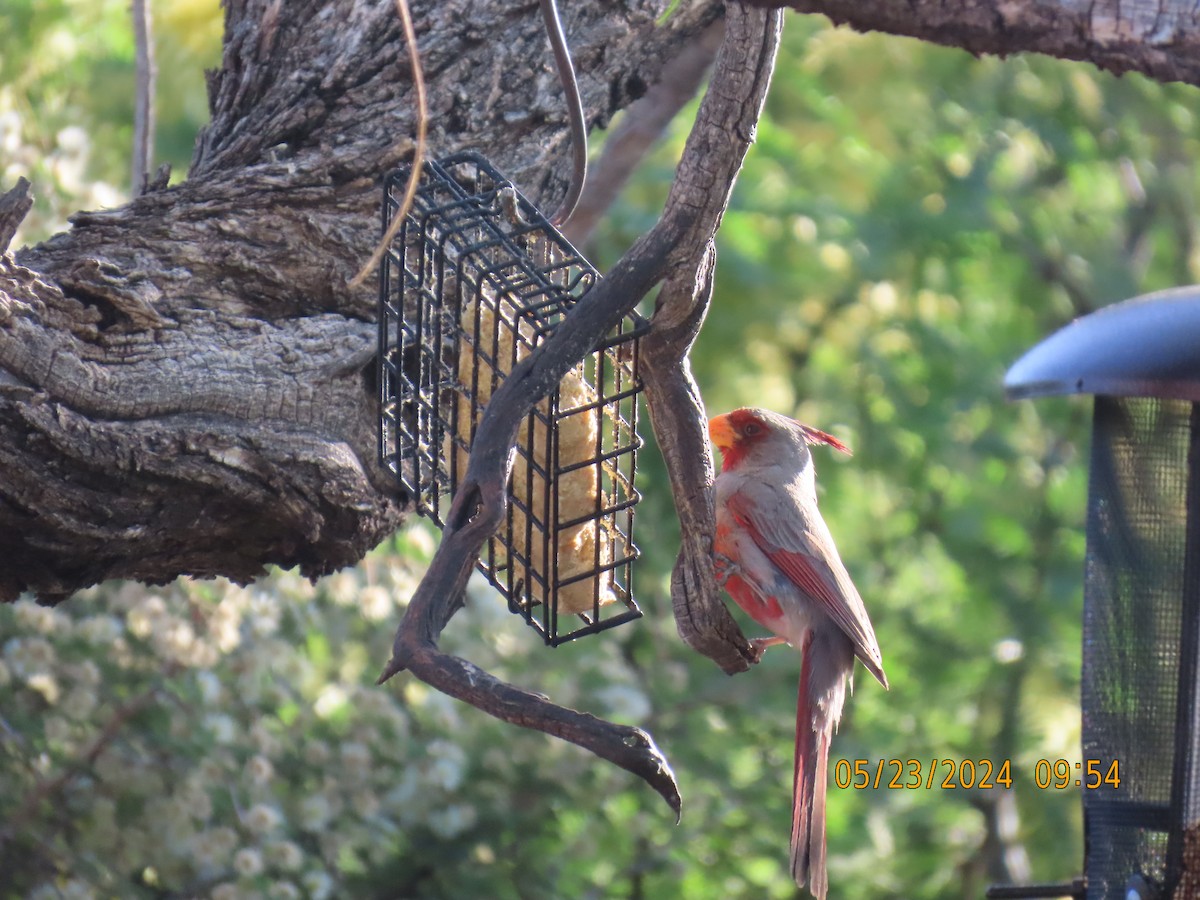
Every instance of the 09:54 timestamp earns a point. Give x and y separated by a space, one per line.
949 774
1090 774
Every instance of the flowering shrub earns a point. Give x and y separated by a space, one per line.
210 739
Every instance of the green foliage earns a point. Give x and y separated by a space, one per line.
910 221
67 93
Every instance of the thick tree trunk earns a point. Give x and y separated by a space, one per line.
185 382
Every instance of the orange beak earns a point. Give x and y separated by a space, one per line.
720 429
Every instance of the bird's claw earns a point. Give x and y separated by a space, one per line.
758 646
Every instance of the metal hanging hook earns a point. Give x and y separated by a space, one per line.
566 74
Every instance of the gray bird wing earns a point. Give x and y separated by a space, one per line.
798 542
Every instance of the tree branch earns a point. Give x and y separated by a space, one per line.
1159 38
14 207
711 160
677 414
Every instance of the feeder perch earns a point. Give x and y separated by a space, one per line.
1141 620
474 280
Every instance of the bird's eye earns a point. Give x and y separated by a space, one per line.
750 429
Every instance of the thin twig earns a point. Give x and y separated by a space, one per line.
143 108
418 160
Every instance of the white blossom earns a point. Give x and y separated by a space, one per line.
248 862
74 140
285 855
365 804
451 821
625 702
265 739
197 801
283 890
1008 650
86 673
356 758
375 603
31 616
79 703
27 656
262 818
446 764
225 891
330 700
317 753
224 627
315 812
56 729
145 617
259 769
263 613
222 727
46 685
210 687
343 587
173 638
100 630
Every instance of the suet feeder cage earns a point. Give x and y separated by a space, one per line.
475 279
1141 622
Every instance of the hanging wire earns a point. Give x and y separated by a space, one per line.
566 74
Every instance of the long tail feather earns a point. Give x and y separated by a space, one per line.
819 701
803 777
818 877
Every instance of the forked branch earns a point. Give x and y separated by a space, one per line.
672 250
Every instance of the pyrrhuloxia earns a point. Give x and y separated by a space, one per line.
777 560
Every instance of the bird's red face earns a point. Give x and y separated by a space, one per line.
735 434
739 433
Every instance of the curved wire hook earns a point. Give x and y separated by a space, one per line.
566 74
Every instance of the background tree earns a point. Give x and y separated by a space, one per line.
911 220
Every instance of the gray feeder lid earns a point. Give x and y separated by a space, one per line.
1145 347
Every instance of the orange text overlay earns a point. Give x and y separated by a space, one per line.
968 774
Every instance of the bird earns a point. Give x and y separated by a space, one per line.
775 557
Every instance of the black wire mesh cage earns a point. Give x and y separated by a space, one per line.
475 279
1140 688
1141 614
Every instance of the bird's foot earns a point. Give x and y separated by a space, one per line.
758 646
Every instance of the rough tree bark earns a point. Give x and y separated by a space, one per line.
184 380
